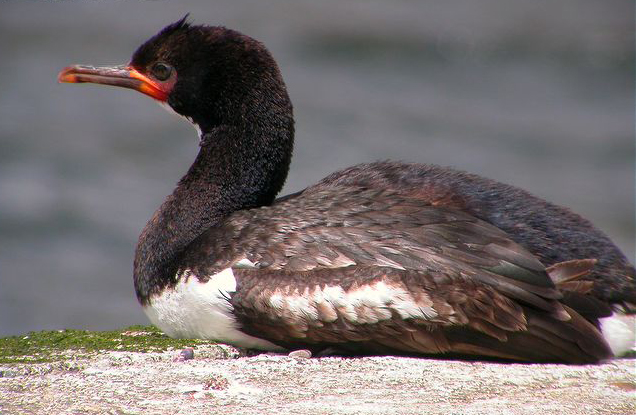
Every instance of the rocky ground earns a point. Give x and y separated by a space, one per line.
221 380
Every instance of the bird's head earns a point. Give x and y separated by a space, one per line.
209 74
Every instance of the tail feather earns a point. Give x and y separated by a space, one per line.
569 276
570 270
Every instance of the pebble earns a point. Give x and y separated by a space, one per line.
9 373
185 354
300 354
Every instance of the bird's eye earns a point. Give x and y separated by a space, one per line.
161 71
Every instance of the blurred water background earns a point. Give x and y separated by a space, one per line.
539 94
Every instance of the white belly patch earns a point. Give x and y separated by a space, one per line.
194 309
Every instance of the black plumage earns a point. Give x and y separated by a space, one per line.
386 257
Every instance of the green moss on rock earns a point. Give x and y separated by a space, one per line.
49 346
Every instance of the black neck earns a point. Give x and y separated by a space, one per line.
236 168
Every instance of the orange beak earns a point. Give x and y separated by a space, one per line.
121 76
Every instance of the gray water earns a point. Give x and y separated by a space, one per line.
539 94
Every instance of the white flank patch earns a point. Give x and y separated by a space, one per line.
194 309
367 304
619 331
244 263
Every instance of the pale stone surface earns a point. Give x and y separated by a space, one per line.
218 381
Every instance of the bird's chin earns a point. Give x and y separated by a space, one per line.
167 107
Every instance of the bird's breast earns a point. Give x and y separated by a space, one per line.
200 308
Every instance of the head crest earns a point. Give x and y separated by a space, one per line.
153 47
180 24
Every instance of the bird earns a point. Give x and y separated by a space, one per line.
381 258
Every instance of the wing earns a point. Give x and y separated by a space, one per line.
382 271
382 310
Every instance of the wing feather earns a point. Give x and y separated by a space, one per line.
406 312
